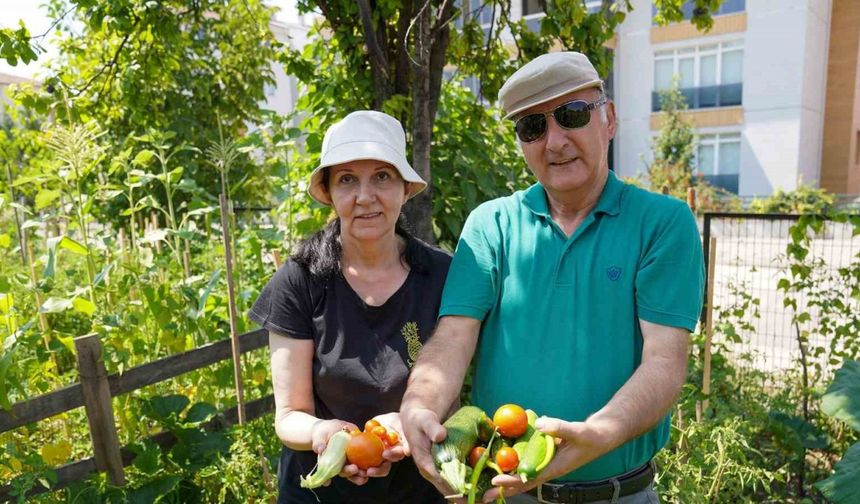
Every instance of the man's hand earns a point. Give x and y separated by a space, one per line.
422 428
581 442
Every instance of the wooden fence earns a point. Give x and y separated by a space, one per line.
95 391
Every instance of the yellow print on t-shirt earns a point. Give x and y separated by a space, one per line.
413 344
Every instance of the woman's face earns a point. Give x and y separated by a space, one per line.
367 196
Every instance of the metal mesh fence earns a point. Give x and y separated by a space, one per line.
750 261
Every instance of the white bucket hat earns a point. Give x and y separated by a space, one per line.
365 134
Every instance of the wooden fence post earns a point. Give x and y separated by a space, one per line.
276 255
709 323
691 198
97 402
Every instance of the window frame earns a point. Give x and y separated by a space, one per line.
676 54
719 138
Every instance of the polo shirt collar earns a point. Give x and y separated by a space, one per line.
609 203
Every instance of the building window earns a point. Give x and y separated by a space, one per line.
531 7
708 75
474 10
718 159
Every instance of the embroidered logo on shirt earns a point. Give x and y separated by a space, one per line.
613 272
413 344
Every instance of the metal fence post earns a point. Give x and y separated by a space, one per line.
709 323
97 401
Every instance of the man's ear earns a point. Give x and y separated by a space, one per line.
611 125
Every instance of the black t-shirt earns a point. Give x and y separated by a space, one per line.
362 357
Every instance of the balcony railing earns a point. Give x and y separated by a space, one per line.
725 95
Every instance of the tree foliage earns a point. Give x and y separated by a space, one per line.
395 54
197 69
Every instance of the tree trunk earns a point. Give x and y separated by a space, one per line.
419 210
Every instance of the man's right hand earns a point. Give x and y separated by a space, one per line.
422 428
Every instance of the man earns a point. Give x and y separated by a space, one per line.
584 291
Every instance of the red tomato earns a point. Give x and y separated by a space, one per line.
393 438
365 450
507 459
511 420
475 454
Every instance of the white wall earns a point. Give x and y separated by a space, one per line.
634 80
785 67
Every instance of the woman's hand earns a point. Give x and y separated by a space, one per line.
321 432
391 422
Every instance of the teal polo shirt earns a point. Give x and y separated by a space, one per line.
560 332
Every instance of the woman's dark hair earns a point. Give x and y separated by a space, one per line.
321 252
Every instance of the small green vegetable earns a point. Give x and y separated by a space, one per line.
478 469
451 454
537 454
329 463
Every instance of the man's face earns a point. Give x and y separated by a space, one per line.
566 160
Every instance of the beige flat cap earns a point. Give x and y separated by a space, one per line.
545 78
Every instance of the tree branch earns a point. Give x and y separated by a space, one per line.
55 23
401 58
378 59
438 48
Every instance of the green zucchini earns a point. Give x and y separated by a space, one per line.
451 454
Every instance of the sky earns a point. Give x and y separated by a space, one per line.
37 22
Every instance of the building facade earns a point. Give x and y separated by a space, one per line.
758 85
773 91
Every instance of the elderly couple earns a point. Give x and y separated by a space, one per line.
576 298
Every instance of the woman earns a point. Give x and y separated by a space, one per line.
349 312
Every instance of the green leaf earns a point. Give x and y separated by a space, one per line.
843 486
7 302
5 364
147 456
5 240
153 491
84 306
67 243
842 399
201 301
810 435
102 274
45 197
143 157
55 305
166 406
200 412
67 341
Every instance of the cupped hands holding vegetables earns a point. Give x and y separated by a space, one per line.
353 454
576 444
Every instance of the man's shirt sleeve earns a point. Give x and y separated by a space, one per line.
670 279
471 288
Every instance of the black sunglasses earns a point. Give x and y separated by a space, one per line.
571 115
